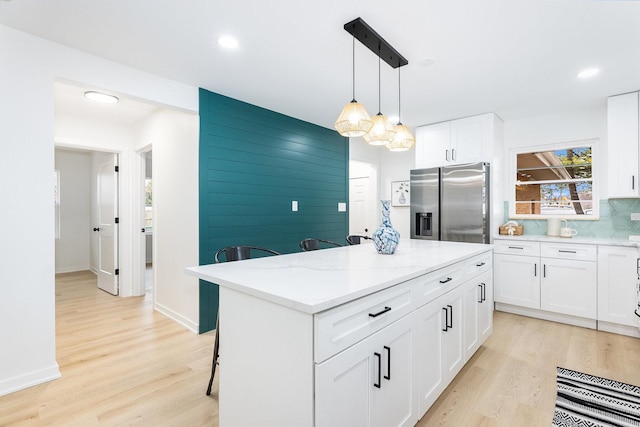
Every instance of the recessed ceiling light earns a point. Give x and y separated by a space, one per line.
589 72
426 62
228 42
101 97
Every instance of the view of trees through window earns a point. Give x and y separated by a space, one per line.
557 182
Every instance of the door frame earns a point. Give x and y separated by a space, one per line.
139 261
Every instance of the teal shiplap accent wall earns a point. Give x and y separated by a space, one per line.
253 164
615 221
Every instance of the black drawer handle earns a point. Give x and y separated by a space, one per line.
567 252
377 355
380 312
516 247
448 279
480 264
388 376
450 311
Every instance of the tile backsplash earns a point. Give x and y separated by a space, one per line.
615 221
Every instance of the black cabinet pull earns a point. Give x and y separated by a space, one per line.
448 279
480 286
388 376
544 270
566 252
377 355
535 270
516 247
380 312
446 319
484 292
480 264
633 182
451 313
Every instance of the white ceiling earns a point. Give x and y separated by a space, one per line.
517 58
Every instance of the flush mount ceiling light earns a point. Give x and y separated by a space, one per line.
589 72
101 97
228 42
403 139
354 121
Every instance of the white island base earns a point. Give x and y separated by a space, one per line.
347 337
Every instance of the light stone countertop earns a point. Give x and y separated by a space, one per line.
315 281
609 241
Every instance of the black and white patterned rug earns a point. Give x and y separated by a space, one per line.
587 400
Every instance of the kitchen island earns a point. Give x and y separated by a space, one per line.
346 336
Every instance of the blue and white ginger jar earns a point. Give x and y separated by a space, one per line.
386 238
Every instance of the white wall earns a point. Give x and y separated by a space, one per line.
73 246
174 137
29 68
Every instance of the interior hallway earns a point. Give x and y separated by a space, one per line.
124 364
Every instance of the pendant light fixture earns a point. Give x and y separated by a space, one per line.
382 131
403 140
354 120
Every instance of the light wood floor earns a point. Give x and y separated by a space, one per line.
124 364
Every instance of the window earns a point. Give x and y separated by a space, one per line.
554 182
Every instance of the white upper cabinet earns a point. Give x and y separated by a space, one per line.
623 166
454 142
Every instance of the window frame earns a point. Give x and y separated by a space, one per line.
595 178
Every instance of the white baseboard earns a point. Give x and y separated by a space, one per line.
72 269
192 326
93 270
547 315
615 328
29 380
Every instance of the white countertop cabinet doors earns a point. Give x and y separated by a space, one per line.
622 150
439 345
371 383
617 273
569 287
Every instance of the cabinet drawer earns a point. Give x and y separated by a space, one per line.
343 326
516 247
569 251
478 264
432 285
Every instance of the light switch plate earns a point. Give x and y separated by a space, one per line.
342 207
294 205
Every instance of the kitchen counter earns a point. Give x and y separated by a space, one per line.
610 241
315 281
293 323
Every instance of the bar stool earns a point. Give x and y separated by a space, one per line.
314 244
231 253
356 239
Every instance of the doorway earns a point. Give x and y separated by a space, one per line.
363 179
87 214
148 221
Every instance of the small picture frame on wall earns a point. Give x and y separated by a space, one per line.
400 193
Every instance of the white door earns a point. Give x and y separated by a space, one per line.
107 195
360 206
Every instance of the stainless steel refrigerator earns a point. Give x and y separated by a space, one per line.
451 203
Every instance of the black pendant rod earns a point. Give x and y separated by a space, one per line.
353 68
376 44
399 103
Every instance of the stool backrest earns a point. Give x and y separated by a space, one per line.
314 244
238 253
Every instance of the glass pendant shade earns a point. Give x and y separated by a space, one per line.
403 141
354 120
382 131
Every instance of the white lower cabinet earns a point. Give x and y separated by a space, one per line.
391 377
439 348
478 312
517 280
371 383
617 273
569 287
